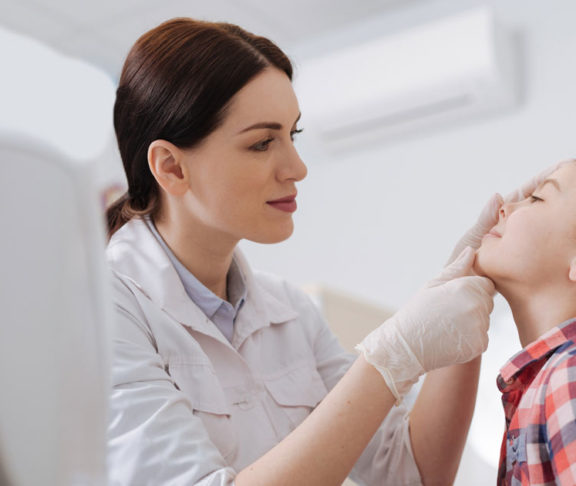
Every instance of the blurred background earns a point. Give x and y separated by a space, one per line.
401 161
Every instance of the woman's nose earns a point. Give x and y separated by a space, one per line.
293 167
301 171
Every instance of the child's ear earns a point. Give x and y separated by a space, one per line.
572 273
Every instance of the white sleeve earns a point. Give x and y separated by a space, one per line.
388 458
153 437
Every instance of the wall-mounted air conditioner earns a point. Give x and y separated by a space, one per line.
428 76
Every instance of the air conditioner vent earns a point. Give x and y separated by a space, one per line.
451 69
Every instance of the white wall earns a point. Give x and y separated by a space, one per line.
380 222
389 216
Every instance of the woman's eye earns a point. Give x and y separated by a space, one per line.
534 199
294 132
264 144
261 146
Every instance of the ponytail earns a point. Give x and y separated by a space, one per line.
122 210
117 214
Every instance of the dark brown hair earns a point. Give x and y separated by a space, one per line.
176 83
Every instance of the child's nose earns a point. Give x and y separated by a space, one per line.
504 211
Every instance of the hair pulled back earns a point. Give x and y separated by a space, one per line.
176 83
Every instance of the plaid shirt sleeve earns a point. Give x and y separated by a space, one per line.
560 410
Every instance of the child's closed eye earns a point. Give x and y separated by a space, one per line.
534 199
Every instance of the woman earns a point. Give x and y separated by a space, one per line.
224 376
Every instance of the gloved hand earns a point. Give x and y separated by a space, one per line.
489 215
486 221
443 324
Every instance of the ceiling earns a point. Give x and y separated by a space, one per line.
103 31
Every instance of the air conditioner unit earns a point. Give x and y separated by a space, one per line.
425 77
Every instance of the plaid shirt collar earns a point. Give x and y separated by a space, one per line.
535 351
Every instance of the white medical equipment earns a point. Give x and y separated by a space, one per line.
56 312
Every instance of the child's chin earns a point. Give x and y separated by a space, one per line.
479 266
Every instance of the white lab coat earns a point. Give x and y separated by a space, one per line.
190 408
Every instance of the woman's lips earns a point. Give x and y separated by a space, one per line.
286 204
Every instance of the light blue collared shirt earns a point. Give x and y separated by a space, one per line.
221 312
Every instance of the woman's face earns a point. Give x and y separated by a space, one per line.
534 242
241 170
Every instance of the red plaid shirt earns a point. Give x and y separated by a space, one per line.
538 388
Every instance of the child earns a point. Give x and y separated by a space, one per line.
530 255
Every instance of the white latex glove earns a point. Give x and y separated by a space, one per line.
489 215
486 221
445 323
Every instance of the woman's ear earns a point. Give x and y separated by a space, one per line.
572 273
166 164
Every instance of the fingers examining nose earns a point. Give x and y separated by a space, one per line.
492 210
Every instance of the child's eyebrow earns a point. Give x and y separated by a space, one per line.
554 182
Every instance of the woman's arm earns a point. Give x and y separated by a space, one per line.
440 420
324 448
445 323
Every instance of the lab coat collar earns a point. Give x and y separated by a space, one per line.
135 254
261 308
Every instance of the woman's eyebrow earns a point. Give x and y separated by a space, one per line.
554 182
271 125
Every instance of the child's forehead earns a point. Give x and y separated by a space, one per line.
566 177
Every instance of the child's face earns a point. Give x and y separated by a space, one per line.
534 242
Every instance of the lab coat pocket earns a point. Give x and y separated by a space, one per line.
198 381
297 389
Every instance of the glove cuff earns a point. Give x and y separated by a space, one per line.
384 372
387 351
